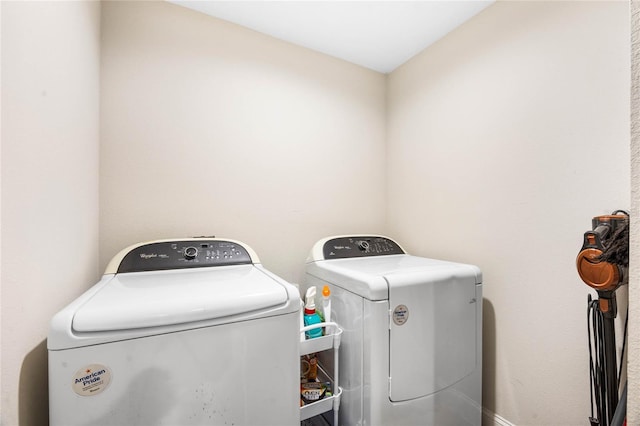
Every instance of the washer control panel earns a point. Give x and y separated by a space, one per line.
359 246
196 253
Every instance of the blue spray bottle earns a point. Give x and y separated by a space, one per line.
310 314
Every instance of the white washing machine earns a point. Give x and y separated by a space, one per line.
411 351
178 332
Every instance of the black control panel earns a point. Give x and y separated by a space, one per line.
183 254
359 246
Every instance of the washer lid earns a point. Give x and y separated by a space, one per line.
162 298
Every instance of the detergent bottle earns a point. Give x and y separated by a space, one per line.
326 306
310 314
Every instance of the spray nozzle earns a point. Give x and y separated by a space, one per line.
310 298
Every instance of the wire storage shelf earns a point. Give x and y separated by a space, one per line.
330 341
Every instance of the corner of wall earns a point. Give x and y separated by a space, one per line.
633 365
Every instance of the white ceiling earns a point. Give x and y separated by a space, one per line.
380 35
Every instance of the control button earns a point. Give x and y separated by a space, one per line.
190 253
363 245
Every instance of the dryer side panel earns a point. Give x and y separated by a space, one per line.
432 331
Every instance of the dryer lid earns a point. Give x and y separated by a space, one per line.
163 298
367 276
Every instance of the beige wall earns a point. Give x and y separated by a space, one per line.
209 128
247 137
504 139
50 82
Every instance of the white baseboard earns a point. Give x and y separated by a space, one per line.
489 418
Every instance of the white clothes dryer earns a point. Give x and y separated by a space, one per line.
411 351
178 332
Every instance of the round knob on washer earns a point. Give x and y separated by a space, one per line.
363 245
190 253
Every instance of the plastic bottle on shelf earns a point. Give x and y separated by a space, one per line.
310 314
302 338
326 306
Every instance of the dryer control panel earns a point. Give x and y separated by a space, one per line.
195 253
359 246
